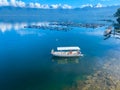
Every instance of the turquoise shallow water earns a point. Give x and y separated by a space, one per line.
26 62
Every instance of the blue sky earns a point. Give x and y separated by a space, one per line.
76 2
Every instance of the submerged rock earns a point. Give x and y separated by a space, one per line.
64 26
107 78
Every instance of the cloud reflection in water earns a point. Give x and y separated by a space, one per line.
19 27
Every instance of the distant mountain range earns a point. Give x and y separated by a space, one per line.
81 14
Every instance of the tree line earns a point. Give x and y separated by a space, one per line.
117 14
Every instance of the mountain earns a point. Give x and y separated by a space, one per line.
20 14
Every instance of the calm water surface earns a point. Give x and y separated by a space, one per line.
26 62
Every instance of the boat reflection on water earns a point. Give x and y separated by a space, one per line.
106 37
66 60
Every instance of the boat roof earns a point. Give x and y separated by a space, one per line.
68 48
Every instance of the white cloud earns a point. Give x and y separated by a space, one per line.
65 6
5 27
86 5
8 26
34 5
20 3
14 3
31 5
42 24
98 5
37 5
55 6
4 3
19 28
45 6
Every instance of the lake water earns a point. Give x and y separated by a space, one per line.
25 59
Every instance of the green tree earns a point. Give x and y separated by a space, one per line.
117 14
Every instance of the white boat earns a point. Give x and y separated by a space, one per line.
108 32
67 52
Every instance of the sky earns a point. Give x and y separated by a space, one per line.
58 3
76 3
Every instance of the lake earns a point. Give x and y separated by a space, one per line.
26 62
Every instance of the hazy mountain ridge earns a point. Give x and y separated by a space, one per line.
11 14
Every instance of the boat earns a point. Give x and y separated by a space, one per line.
108 31
67 52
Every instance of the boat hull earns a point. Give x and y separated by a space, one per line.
58 55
